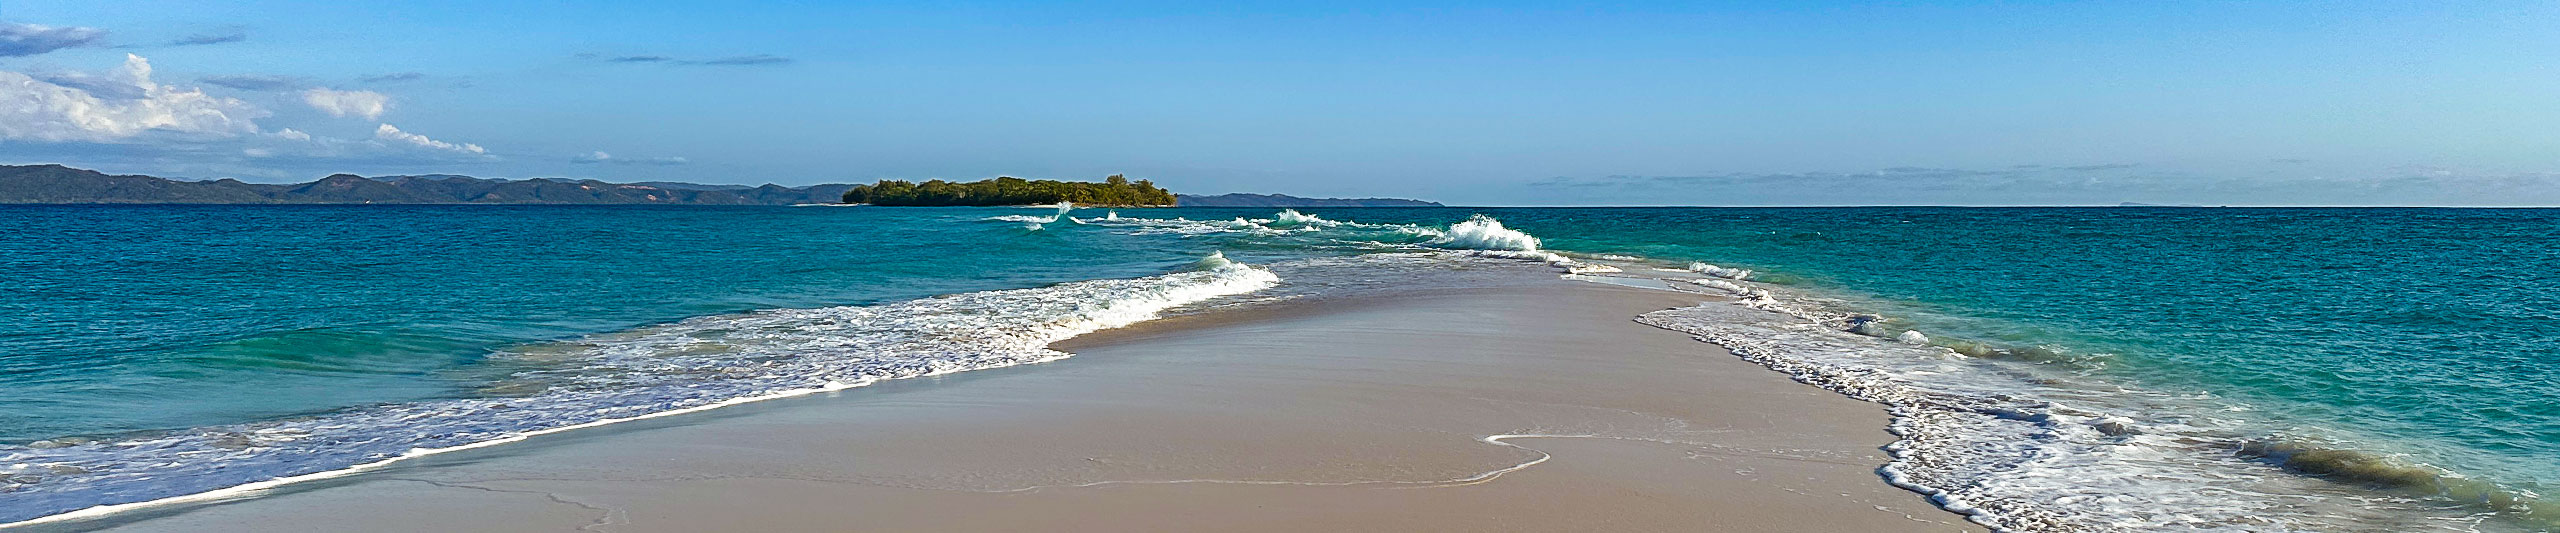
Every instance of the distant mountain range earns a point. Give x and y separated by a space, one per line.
1282 200
57 184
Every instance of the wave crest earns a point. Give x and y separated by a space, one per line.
1482 232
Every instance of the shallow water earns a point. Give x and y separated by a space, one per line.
2414 336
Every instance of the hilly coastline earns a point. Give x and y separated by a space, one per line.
57 184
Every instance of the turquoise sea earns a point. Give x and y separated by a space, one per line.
2243 369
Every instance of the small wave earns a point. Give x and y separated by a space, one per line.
1291 218
1216 260
1721 272
1032 223
2345 465
1484 233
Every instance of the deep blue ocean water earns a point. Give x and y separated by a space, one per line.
2422 335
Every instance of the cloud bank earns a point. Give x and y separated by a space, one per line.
123 117
40 110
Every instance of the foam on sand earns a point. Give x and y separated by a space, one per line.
2019 450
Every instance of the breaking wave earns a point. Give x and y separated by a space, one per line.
1291 218
1721 272
1484 233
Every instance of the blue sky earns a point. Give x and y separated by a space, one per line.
1700 103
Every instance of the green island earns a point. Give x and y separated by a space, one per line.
1114 191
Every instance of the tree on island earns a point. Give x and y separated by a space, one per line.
1116 190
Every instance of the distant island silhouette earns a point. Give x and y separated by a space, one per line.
57 184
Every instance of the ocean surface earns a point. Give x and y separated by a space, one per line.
2050 369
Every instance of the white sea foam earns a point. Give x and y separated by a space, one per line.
684 366
2021 449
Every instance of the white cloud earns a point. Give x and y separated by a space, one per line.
121 116
367 104
38 110
389 133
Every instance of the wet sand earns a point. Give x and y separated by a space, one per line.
1369 414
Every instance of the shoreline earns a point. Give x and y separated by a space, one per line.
1256 351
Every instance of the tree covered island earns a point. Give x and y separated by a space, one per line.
1115 191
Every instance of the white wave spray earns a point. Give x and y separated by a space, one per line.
1481 232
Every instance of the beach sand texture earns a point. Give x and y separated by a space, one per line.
1382 413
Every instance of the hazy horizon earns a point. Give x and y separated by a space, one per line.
1933 103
